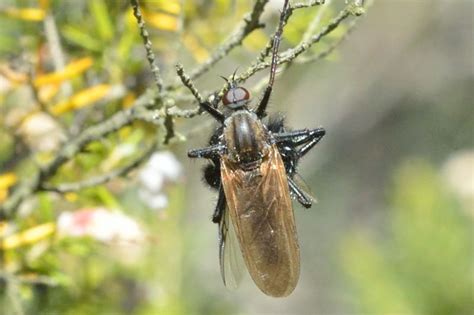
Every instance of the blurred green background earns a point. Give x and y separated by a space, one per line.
392 230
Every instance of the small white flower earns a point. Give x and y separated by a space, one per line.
459 174
41 132
154 200
151 180
166 163
100 224
161 168
459 171
5 84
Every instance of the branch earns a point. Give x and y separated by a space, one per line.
309 4
292 53
250 23
331 48
27 279
101 179
150 55
187 82
54 45
268 48
123 118
316 22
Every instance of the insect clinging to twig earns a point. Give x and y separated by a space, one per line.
253 166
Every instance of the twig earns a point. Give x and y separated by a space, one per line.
69 150
26 279
314 24
268 47
139 111
54 44
330 49
187 81
101 179
250 23
292 53
150 55
169 126
311 3
168 120
183 113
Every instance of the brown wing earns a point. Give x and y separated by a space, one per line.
260 209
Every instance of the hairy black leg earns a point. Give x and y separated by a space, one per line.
262 106
207 153
220 206
299 137
214 112
301 196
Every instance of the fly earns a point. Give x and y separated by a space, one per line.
253 167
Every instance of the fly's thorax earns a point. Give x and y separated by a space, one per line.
246 138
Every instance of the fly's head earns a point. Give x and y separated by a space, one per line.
236 97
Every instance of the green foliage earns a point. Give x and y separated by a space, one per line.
424 264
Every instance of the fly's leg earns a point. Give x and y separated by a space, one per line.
307 138
300 137
262 106
220 206
207 153
214 112
206 106
302 197
311 143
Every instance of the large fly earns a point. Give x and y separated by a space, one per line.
253 167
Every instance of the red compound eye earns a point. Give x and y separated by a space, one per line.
236 97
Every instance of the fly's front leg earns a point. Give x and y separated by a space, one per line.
303 198
262 107
213 111
207 153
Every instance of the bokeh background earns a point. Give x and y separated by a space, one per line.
394 176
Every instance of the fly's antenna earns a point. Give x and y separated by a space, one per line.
233 74
225 79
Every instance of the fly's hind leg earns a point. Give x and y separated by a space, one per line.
308 138
302 197
312 141
220 206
